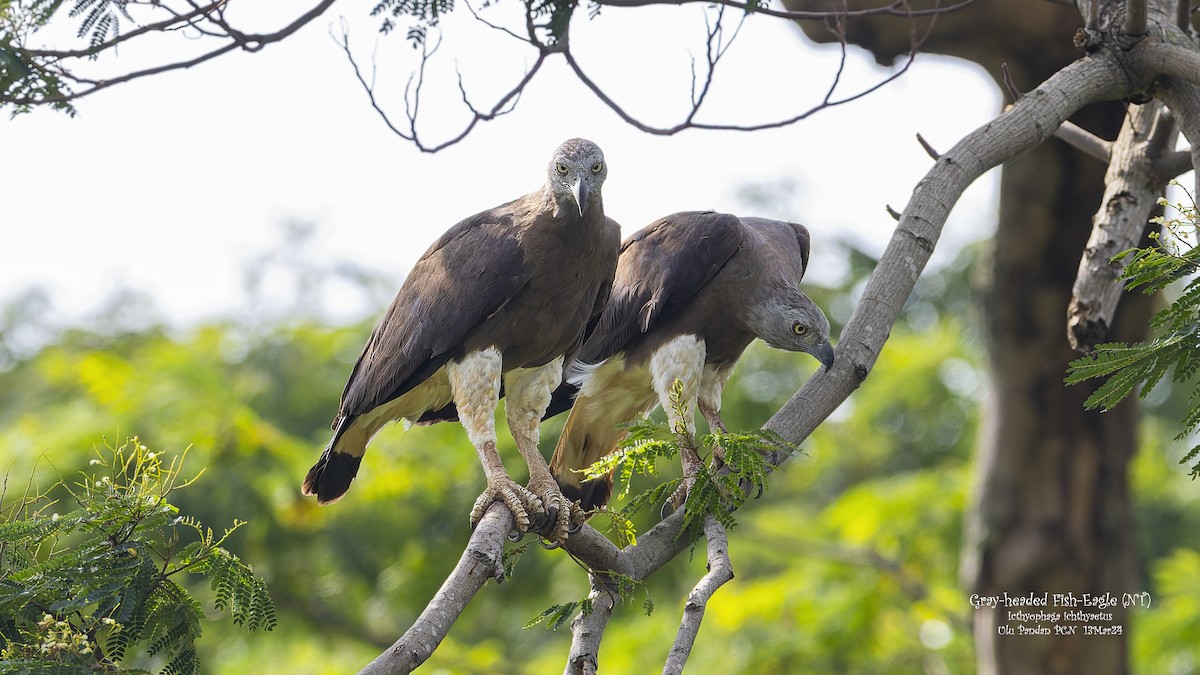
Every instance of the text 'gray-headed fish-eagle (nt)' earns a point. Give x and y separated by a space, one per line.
505 295
692 291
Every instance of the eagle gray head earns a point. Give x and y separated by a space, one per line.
787 319
576 172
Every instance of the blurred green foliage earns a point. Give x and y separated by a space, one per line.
847 564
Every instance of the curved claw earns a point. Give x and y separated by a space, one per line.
519 501
667 509
574 529
548 544
554 520
515 535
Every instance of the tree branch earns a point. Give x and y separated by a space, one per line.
503 106
1124 211
720 571
895 8
587 629
479 562
1084 140
247 42
1029 122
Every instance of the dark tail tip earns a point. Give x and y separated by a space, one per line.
330 477
591 494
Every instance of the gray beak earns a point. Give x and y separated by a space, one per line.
824 354
579 190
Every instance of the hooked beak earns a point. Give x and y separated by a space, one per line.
824 354
579 190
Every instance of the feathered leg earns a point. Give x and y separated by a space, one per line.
681 359
475 384
527 393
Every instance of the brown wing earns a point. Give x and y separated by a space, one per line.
660 268
801 233
464 278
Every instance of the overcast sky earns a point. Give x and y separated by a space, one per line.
173 184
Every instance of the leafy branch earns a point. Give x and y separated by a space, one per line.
81 591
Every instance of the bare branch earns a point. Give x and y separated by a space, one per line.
1117 226
928 148
1009 84
493 26
720 571
1082 139
247 42
689 124
504 105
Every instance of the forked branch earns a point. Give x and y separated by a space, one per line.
1027 123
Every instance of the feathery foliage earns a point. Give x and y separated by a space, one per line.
85 590
1176 348
736 467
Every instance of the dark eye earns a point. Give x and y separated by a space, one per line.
561 169
799 328
598 167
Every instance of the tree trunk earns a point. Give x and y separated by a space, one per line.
1051 508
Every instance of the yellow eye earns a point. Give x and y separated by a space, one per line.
561 169
799 328
599 166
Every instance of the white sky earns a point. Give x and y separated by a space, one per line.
171 184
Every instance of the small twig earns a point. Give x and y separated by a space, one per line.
928 148
720 571
1135 17
1082 139
412 93
1009 84
493 26
892 212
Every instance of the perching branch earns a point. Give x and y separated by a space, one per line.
479 562
1027 123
